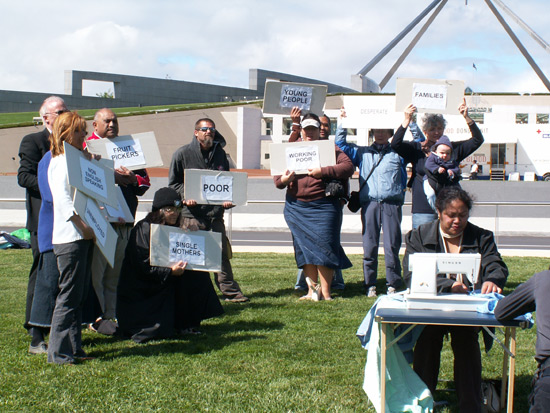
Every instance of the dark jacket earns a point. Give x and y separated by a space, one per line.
190 156
33 147
426 238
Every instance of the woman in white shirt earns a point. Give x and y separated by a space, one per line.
72 244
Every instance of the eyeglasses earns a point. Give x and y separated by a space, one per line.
170 209
57 112
204 129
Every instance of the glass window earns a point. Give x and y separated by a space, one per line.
542 118
522 118
287 126
477 117
267 126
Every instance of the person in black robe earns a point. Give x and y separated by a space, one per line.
158 302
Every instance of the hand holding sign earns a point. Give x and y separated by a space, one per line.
124 177
178 268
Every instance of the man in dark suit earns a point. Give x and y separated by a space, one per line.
32 149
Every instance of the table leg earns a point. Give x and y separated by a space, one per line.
505 367
512 372
383 335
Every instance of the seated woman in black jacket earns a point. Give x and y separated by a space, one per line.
158 302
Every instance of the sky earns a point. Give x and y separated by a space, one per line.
218 41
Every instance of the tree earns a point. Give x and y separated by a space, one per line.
107 95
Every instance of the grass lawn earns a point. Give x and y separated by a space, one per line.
275 353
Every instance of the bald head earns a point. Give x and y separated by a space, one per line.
105 124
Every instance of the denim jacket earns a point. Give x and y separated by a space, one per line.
386 184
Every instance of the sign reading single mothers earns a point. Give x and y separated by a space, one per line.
299 157
188 248
126 153
302 157
294 95
209 187
202 250
429 95
136 151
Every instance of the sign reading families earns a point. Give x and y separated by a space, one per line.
215 187
429 95
188 248
126 153
299 157
136 151
202 250
302 157
281 97
95 178
293 95
105 235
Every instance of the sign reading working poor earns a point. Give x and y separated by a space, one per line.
136 151
202 250
429 95
95 178
299 157
215 187
106 237
281 97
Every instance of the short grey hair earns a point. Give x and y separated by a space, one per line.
48 101
432 120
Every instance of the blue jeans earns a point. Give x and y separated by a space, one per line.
337 280
419 219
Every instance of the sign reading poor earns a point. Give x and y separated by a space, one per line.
126 153
187 247
293 95
217 188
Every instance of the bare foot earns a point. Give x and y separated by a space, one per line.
305 297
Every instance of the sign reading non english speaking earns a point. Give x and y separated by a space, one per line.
126 153
93 177
429 96
209 187
217 188
293 95
202 250
187 247
302 157
96 220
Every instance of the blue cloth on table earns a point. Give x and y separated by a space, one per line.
315 228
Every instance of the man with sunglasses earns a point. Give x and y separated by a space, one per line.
31 150
133 184
206 152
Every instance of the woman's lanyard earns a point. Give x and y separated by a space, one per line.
459 277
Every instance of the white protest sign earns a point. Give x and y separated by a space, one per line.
106 237
294 95
126 153
428 96
187 247
136 151
121 211
217 188
209 187
99 224
303 157
93 177
201 249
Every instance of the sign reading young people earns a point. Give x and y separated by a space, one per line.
281 97
294 95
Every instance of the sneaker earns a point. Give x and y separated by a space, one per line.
241 299
41 348
391 290
372 292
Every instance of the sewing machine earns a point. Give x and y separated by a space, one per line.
426 267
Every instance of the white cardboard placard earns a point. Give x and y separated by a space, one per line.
136 151
280 97
106 237
215 187
122 210
201 249
300 156
429 95
94 178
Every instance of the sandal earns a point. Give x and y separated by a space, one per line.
316 289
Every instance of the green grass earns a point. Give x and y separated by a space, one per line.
11 120
275 353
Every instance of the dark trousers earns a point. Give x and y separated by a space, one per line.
32 278
467 362
224 279
74 263
539 399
